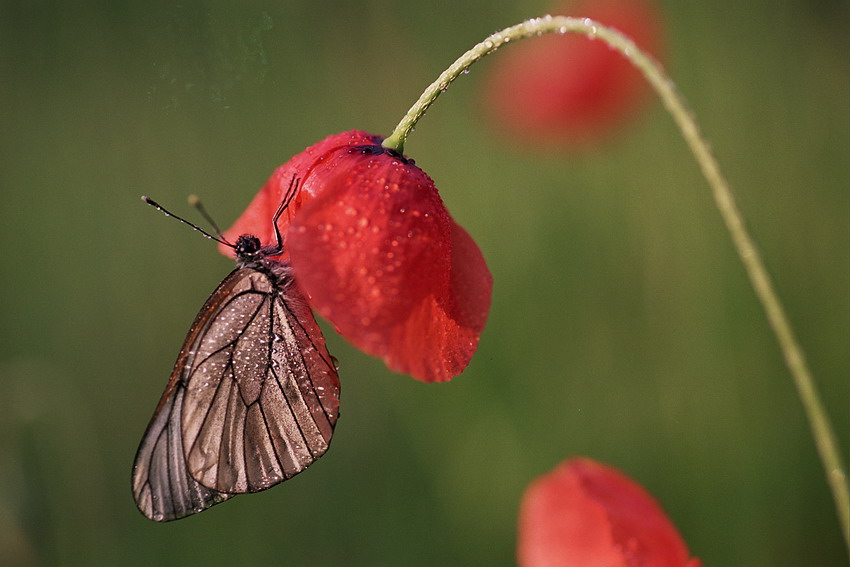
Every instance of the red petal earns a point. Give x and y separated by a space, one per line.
382 259
569 89
378 255
373 243
439 337
586 514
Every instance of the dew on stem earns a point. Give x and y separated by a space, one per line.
744 244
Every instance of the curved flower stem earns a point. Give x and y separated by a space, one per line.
674 103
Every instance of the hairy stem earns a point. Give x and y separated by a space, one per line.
822 430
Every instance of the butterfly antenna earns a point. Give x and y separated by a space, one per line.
287 199
168 213
195 201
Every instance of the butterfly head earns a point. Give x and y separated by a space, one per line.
251 254
247 248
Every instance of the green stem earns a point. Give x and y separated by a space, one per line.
822 431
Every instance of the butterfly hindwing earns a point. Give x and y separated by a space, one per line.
162 486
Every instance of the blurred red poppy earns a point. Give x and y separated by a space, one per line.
376 252
567 90
587 514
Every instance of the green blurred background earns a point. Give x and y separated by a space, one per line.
623 327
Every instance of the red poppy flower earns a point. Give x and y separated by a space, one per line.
586 514
567 89
377 253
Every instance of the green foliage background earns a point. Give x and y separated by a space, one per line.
623 327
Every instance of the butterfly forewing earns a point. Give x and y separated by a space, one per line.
253 399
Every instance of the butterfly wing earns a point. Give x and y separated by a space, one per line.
162 486
255 397
261 408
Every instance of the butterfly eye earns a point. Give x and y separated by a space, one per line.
247 245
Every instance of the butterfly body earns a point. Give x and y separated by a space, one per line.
252 400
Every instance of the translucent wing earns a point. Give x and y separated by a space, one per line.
262 396
252 401
162 486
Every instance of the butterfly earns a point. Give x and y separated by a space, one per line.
253 397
